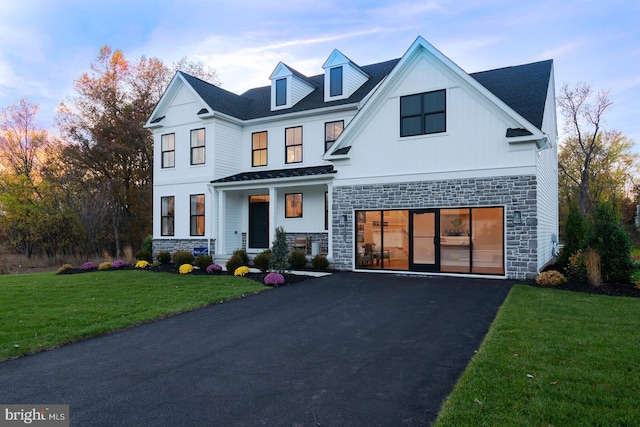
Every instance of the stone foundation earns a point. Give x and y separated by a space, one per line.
515 193
173 245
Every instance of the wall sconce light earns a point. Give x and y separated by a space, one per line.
517 217
343 220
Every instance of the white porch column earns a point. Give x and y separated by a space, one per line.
221 240
273 223
212 216
330 221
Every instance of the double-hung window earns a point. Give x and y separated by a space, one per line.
293 144
197 215
259 149
332 131
197 147
168 143
167 215
423 113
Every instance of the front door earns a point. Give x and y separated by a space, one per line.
259 222
424 246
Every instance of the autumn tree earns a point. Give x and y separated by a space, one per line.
104 124
594 164
21 140
22 145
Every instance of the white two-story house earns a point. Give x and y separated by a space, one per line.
409 165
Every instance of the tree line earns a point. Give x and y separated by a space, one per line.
88 189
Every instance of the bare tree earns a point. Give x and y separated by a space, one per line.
21 141
583 120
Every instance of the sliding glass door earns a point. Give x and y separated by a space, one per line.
451 240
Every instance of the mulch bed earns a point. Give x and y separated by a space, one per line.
170 268
614 289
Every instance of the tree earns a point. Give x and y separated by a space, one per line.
591 160
21 141
104 124
611 170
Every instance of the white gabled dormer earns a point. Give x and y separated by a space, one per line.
288 87
341 77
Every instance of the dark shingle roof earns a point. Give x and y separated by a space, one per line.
523 88
277 174
256 103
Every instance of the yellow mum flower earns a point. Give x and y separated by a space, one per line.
241 271
185 269
142 264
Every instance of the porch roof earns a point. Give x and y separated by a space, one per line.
277 174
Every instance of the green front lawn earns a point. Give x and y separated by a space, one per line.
39 311
553 358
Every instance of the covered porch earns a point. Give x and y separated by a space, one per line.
247 208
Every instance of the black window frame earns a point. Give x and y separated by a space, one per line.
328 142
260 150
281 92
292 145
336 81
167 215
195 148
194 217
170 153
423 113
288 214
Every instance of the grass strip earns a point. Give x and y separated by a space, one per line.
553 358
44 310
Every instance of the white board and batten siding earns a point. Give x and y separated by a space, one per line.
547 195
474 144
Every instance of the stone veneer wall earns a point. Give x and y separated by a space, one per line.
172 245
515 193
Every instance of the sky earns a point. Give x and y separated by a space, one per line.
45 45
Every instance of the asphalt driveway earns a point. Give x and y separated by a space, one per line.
351 349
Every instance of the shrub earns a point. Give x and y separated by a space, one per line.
64 267
164 257
182 257
213 267
234 262
143 255
319 262
593 265
279 251
576 267
147 244
242 254
185 269
262 260
127 254
88 266
613 244
274 279
142 264
297 259
576 234
118 264
104 266
241 271
203 261
550 278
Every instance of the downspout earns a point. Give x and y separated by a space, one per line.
212 205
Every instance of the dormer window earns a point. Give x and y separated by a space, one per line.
281 92
335 79
341 77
